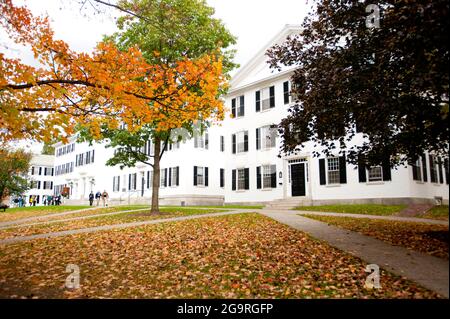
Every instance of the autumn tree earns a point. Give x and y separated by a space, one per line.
166 32
383 75
48 149
102 90
13 170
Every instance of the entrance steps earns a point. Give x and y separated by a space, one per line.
288 203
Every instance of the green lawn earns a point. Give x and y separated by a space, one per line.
224 207
437 212
366 209
23 212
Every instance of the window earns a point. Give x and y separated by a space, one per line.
173 146
266 137
417 170
47 185
333 170
434 169
222 144
116 184
238 106
202 141
174 176
265 99
240 142
268 172
34 184
375 174
132 181
200 177
241 179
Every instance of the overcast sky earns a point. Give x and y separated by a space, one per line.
253 22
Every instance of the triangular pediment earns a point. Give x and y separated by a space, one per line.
257 68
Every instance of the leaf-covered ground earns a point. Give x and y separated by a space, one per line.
365 209
236 256
126 217
24 212
426 238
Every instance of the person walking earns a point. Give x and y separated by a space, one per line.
30 200
91 198
105 197
34 200
98 196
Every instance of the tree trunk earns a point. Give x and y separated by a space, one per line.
156 177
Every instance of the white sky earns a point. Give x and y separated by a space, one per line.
253 22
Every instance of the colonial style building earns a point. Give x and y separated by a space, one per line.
40 177
237 162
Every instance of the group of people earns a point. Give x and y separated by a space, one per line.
99 196
52 200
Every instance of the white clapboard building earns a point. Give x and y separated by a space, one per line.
237 162
40 177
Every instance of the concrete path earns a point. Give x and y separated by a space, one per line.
14 240
430 272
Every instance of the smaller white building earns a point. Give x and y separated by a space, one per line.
41 178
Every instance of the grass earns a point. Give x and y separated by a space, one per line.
23 212
236 256
426 238
437 212
364 209
224 206
126 217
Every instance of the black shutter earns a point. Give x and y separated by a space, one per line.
53 171
222 177
233 180
135 180
433 177
446 170
272 96
441 174
206 140
92 157
323 180
233 107
51 185
170 176
286 92
242 106
118 183
178 176
114 184
258 101
387 169
40 170
362 171
273 176
129 182
424 168
233 137
342 170
165 177
39 183
195 175
247 178
246 141
148 179
258 177
206 176
258 138
415 172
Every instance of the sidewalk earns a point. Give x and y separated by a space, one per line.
430 272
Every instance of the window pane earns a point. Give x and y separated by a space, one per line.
333 170
241 179
375 174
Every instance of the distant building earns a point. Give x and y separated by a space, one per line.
40 176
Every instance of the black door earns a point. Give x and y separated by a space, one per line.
298 179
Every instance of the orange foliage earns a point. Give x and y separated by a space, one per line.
105 87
